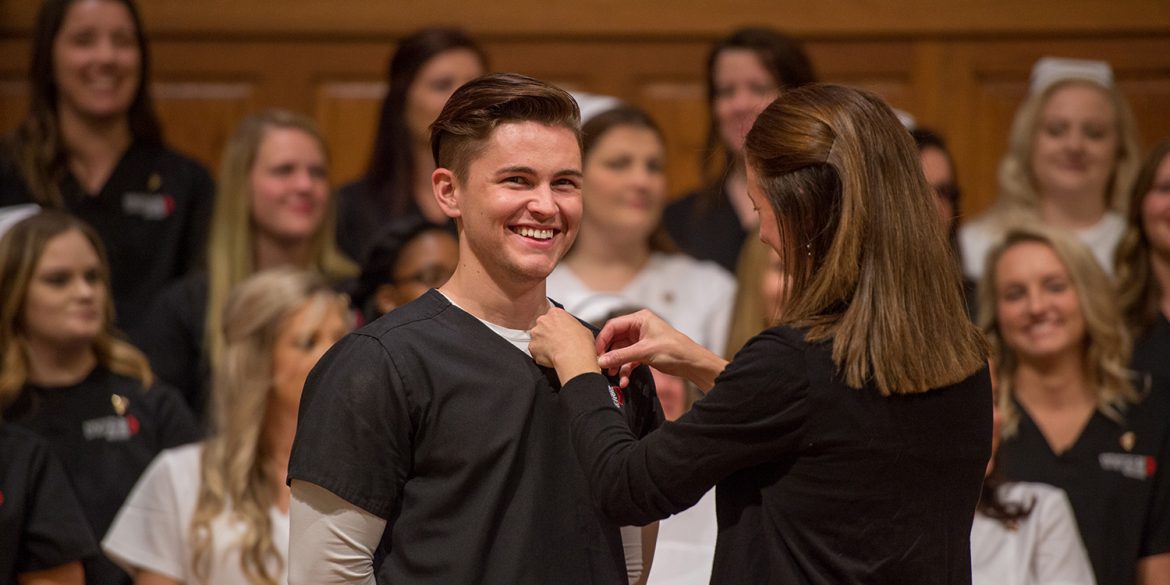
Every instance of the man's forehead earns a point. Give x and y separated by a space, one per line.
531 144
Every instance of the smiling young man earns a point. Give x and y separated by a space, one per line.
430 447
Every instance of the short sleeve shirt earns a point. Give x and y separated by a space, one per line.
429 419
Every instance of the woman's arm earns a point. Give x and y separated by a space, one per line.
67 574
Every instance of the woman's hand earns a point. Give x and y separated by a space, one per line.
561 342
644 338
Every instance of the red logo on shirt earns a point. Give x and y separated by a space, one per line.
615 393
1 498
1151 466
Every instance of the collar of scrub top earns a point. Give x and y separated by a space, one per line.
1052 70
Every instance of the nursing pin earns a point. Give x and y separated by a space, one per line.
154 182
120 403
1127 440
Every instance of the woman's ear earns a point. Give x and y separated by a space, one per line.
444 185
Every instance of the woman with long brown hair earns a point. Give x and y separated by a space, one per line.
848 443
66 374
217 512
91 145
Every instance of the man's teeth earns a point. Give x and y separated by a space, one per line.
535 233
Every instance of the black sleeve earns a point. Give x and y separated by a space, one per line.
176 425
56 531
354 427
754 414
173 343
1156 535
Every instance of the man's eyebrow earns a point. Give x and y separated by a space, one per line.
516 169
569 172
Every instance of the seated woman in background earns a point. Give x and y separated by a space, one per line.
43 531
746 70
1025 533
1143 268
427 67
1071 160
939 168
274 208
1071 416
217 512
759 293
622 256
66 376
91 145
410 257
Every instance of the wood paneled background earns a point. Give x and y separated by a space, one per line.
959 66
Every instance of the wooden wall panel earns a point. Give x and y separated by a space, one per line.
348 113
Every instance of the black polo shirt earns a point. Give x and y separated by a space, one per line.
152 215
41 522
432 421
1116 477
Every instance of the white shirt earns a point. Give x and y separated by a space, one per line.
978 236
1044 549
694 296
152 530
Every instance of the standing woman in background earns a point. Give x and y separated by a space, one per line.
1143 269
745 72
1072 156
216 513
66 375
274 207
427 67
91 145
1072 416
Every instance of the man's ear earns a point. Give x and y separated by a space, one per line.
444 183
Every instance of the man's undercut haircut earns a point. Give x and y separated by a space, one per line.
477 108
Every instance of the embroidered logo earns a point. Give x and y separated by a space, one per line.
110 428
615 394
153 206
1131 466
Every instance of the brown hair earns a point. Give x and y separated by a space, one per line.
868 260
1137 288
20 252
477 108
1107 347
626 116
36 146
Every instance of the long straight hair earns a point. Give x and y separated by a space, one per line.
20 252
234 477
36 146
231 247
869 262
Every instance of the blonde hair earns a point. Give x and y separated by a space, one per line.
20 252
749 315
869 263
231 245
1018 193
1107 346
233 469
1138 290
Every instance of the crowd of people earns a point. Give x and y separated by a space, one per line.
822 371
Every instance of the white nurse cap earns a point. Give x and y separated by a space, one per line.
1052 70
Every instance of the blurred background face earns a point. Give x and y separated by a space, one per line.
435 83
290 185
67 294
1075 147
743 88
1156 211
941 178
301 341
425 262
625 181
96 61
1037 305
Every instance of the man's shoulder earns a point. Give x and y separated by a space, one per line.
423 318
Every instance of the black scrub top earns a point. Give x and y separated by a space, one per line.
1116 478
152 214
705 226
105 430
42 525
429 419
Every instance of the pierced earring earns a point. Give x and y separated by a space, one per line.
808 249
